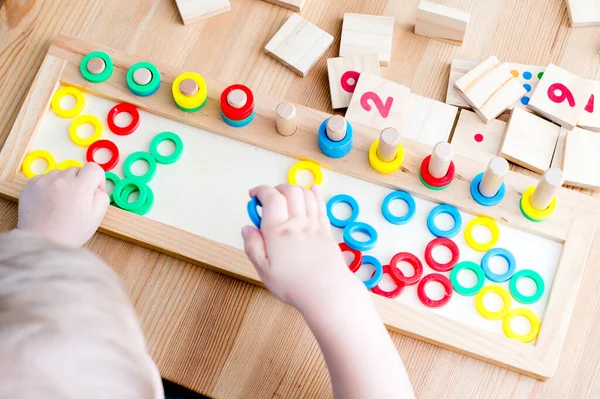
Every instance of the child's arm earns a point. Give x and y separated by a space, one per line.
67 327
300 263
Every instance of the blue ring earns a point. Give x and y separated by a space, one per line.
449 210
359 227
335 149
483 200
346 199
253 213
403 196
240 123
137 93
504 253
377 276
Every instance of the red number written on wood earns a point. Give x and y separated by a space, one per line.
349 80
565 94
384 109
590 105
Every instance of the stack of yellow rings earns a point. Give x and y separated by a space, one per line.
305 165
189 92
385 167
530 212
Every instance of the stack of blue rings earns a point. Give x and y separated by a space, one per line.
335 149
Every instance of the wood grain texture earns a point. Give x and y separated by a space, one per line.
538 35
442 23
477 139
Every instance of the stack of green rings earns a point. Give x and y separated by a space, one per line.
131 183
145 90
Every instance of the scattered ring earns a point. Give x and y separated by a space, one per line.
445 242
448 210
190 103
358 257
493 289
140 156
236 114
145 90
38 154
397 274
377 273
508 257
486 222
402 196
305 165
82 120
359 227
529 315
345 199
166 159
433 181
430 303
69 163
475 268
110 176
62 93
146 206
106 144
382 166
116 110
124 203
252 207
388 294
482 199
537 279
104 75
532 213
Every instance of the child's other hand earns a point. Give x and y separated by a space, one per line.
294 251
65 206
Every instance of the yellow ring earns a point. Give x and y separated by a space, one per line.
82 120
529 315
62 93
486 222
69 163
531 211
192 101
493 289
305 165
385 167
37 154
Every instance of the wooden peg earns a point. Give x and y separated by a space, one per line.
96 66
440 159
142 76
545 191
237 98
493 177
388 144
336 128
188 87
286 118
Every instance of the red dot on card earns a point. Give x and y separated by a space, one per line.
478 137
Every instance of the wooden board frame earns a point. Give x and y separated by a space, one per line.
572 224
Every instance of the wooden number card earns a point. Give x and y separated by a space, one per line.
344 73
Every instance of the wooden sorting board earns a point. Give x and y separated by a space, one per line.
572 224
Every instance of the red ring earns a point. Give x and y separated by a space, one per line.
435 182
397 274
237 114
445 242
109 145
388 294
357 261
116 110
425 300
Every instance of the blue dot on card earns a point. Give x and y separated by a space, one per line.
527 75
527 87
525 100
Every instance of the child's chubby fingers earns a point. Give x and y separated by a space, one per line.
255 248
322 208
295 200
92 176
274 205
312 209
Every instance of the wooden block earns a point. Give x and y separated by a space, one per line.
476 139
344 73
561 96
440 22
559 150
529 76
590 117
584 13
490 89
299 44
378 103
294 5
367 34
192 11
529 141
427 120
458 69
580 161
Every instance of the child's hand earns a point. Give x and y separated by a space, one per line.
294 252
65 206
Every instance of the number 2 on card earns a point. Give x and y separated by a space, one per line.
565 94
384 109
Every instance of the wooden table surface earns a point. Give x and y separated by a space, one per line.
226 338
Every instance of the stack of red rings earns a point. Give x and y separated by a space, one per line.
431 182
237 117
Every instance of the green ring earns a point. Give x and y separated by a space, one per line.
114 179
198 108
526 215
537 279
148 89
166 159
124 203
101 77
140 156
431 187
475 268
145 208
